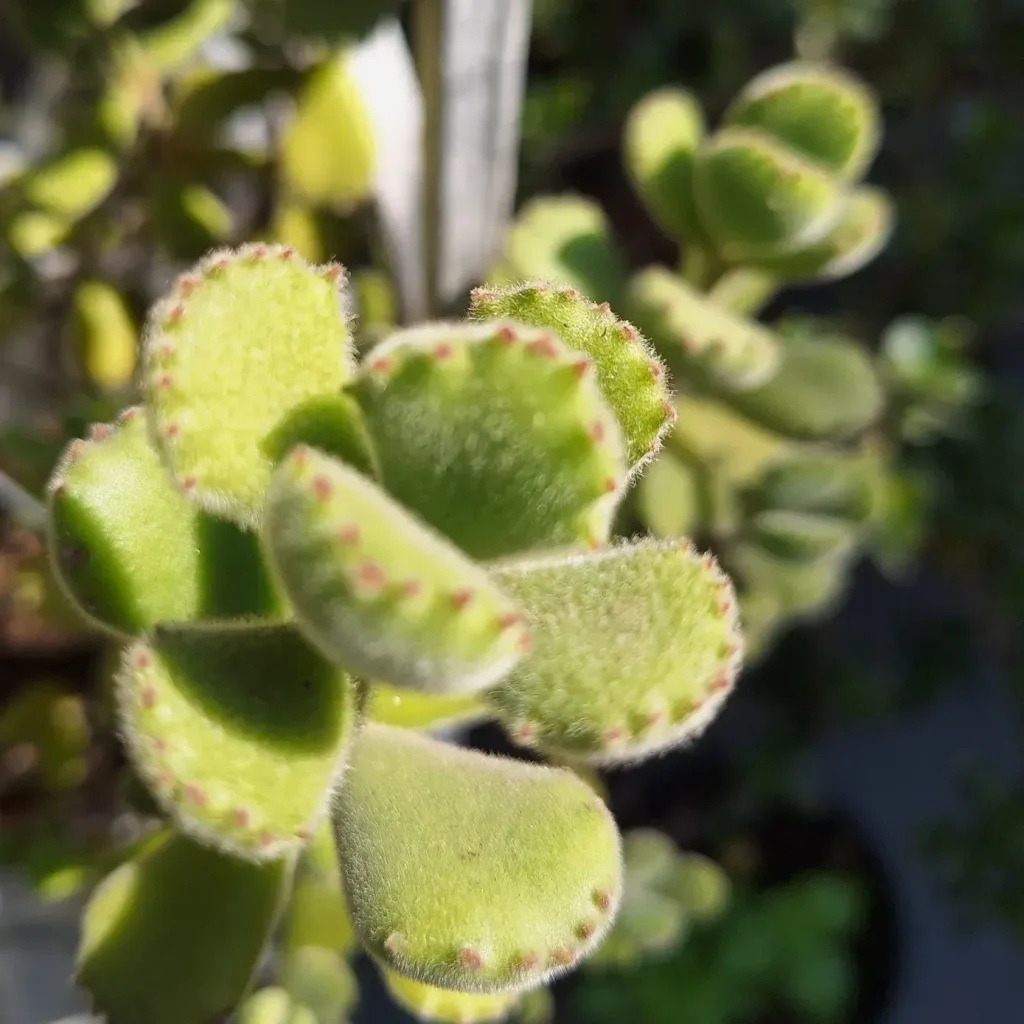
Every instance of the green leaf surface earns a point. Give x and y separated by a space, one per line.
565 240
242 342
861 233
131 552
662 653
821 111
700 340
173 935
823 388
471 872
497 435
430 1003
630 375
662 134
410 709
379 592
757 198
241 732
328 151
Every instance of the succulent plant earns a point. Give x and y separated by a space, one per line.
308 558
771 196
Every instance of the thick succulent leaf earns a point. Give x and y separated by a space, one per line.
631 376
565 240
105 335
662 134
858 237
668 498
173 935
244 340
398 705
275 1005
795 589
700 885
839 486
709 432
176 41
317 914
327 152
758 198
662 653
240 732
430 1003
379 592
800 536
699 339
131 551
824 387
72 183
321 980
470 872
821 111
497 435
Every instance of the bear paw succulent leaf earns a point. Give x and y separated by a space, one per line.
379 592
410 709
861 233
630 374
148 953
445 1006
663 652
662 134
243 340
239 730
822 112
472 872
565 239
757 198
823 388
700 339
130 551
496 434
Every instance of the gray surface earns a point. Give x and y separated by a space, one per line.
37 950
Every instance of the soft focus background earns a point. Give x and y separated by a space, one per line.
863 793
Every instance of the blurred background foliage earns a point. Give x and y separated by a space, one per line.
136 135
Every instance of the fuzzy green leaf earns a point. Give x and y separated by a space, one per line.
662 134
699 339
398 705
275 1005
822 112
565 240
824 387
322 980
829 485
757 198
430 1003
132 552
861 234
243 341
173 935
631 376
668 498
472 872
800 536
497 435
327 153
378 592
662 652
105 335
710 433
317 914
240 732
